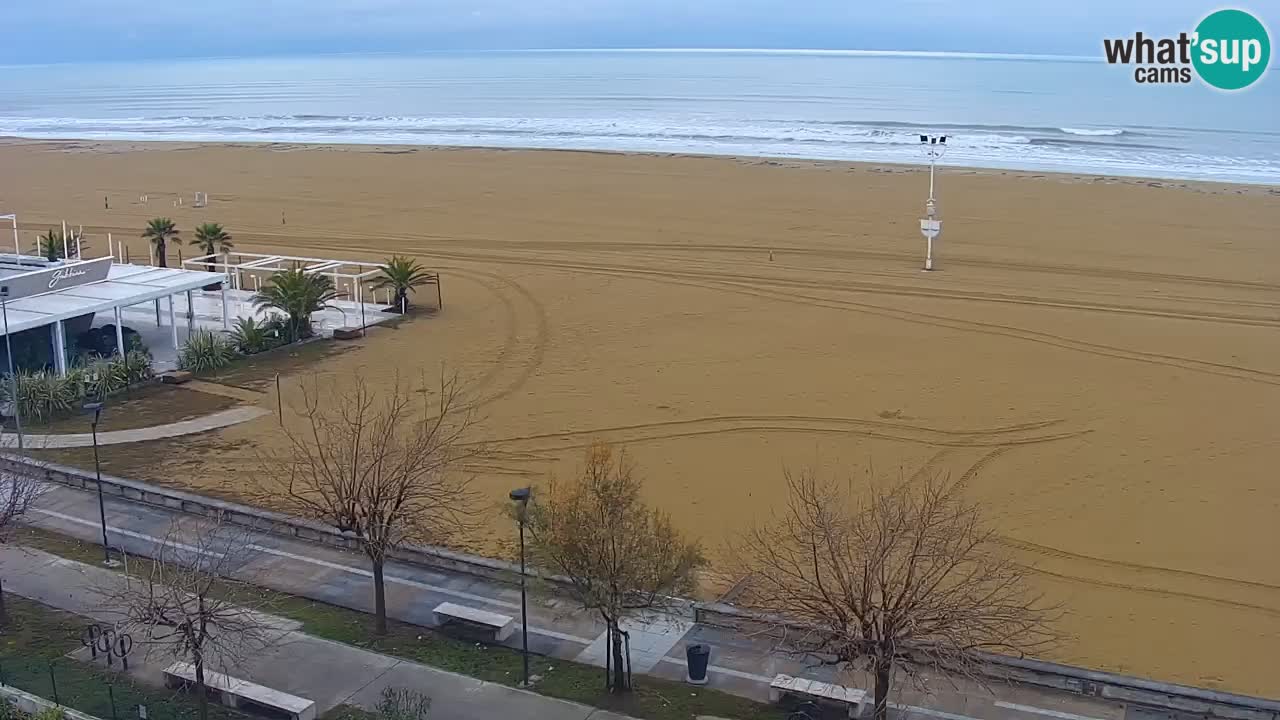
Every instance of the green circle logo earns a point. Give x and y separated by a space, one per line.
1232 49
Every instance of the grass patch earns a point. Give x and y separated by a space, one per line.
153 404
150 461
653 698
258 372
33 644
349 712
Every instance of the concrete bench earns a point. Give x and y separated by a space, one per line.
821 692
499 625
238 693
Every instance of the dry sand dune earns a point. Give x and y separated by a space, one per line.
1100 359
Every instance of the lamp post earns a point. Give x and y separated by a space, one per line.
935 146
13 378
521 498
95 408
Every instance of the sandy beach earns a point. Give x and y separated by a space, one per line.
1098 358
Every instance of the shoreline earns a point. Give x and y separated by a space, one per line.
1195 185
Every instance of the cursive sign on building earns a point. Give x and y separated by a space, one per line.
56 277
65 274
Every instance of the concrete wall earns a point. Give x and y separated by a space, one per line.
33 704
1122 688
1079 681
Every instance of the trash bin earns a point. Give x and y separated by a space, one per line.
698 656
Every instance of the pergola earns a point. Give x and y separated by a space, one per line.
34 294
13 220
240 265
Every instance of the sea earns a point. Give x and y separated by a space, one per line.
1039 113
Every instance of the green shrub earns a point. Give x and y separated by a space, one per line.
206 351
74 380
251 337
104 377
52 713
403 704
42 394
137 366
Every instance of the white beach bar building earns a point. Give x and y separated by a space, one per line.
49 304
62 299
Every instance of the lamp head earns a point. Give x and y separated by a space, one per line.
94 409
521 495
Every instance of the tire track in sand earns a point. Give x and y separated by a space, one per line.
1123 575
1022 434
1144 578
537 346
759 289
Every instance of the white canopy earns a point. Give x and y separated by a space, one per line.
125 285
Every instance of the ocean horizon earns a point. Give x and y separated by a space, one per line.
1071 114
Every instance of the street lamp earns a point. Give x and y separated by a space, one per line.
95 408
935 146
8 351
521 498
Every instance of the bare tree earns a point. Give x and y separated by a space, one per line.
187 605
897 578
18 491
378 468
621 557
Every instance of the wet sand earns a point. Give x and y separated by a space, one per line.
1098 358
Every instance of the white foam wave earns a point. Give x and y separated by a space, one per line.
1093 132
996 146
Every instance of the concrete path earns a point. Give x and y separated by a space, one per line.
325 672
741 664
213 421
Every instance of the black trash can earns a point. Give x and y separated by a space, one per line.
699 656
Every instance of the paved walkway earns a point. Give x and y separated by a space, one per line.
326 672
213 421
741 664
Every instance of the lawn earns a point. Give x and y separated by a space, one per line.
149 461
153 404
258 372
653 698
33 644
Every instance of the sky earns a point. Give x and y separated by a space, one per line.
47 31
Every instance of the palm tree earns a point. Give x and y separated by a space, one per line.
296 294
251 336
160 231
212 239
402 274
51 245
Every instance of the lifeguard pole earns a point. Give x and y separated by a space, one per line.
935 146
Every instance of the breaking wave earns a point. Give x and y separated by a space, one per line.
1154 152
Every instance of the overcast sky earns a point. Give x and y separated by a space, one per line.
40 31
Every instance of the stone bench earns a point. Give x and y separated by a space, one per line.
243 694
820 692
497 625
